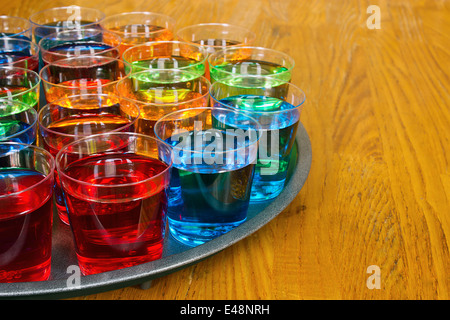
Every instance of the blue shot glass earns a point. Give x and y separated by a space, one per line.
86 41
15 27
215 152
277 106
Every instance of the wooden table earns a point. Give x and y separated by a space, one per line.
377 112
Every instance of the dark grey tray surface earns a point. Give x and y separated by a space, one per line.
176 256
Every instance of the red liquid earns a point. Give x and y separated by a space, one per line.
78 125
121 226
81 75
25 227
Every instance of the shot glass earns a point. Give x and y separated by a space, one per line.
52 20
82 75
20 84
158 92
66 120
229 62
140 27
15 27
26 186
115 187
279 116
215 151
216 36
167 55
20 53
72 43
18 122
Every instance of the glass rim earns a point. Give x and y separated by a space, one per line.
6 17
137 135
216 24
57 62
29 109
51 170
34 73
40 114
223 51
195 77
170 20
35 55
147 44
257 130
55 37
34 15
298 105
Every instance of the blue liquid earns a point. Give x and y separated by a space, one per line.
207 200
59 26
278 137
82 48
9 127
9 56
14 35
21 56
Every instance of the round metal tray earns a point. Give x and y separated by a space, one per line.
176 256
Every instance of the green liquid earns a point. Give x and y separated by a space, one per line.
15 93
227 71
174 62
9 127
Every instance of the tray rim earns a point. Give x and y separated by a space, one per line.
112 280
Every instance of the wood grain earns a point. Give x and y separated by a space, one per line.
377 114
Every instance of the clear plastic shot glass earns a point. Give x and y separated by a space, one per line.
115 187
69 119
277 106
15 27
26 188
158 92
140 27
215 152
18 122
52 20
20 84
87 41
167 55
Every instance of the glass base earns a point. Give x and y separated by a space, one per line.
90 266
39 272
266 190
62 214
195 233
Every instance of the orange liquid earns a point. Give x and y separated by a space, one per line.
138 34
155 104
79 86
